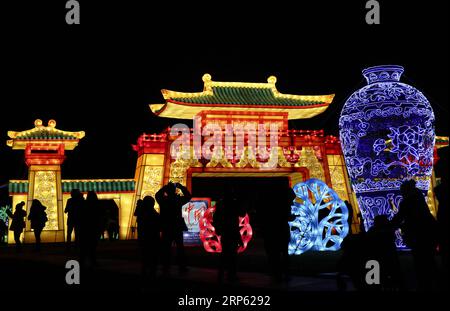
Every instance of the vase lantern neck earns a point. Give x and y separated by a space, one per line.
383 73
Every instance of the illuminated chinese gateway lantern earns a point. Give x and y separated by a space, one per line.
387 136
44 153
240 129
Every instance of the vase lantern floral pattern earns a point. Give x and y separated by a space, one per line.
387 136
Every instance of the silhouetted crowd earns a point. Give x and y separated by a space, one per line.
422 233
87 219
158 232
426 236
37 218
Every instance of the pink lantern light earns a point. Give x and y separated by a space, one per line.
210 238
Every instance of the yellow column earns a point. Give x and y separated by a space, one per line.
149 179
44 184
45 148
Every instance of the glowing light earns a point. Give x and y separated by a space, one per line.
4 215
321 222
211 240
45 148
387 136
182 105
192 213
45 189
152 182
48 136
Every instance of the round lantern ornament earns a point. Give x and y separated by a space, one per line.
387 136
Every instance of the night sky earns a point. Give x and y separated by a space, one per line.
100 76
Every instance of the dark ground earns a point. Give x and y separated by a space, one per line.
119 267
117 277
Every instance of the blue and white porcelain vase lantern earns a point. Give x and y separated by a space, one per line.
387 135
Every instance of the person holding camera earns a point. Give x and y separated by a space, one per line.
172 222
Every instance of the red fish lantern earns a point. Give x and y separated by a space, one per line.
210 238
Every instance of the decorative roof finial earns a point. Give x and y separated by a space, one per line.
38 123
51 123
272 79
206 77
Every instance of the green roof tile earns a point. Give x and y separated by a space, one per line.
83 186
244 96
47 135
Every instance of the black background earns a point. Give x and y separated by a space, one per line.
101 75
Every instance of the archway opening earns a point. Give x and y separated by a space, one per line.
251 192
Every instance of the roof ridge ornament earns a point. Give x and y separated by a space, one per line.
207 79
51 123
272 80
38 123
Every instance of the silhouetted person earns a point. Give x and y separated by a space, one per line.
226 223
275 217
381 247
38 218
441 192
148 227
172 222
419 232
362 228
112 220
350 216
73 209
102 217
352 261
138 209
17 223
89 229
